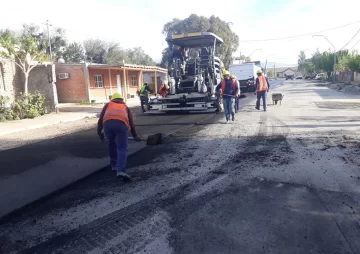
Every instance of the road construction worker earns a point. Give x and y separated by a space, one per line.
229 90
237 98
115 121
144 97
164 89
262 86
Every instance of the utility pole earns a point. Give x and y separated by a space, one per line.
48 30
274 70
240 58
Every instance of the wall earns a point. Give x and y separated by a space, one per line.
11 76
356 77
72 90
42 80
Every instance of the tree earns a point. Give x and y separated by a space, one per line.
301 58
195 23
22 51
74 53
323 61
95 50
138 56
353 63
57 39
342 58
115 54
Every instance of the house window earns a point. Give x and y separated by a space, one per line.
134 80
99 81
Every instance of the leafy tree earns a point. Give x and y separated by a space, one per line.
195 23
57 39
301 58
23 51
115 54
138 56
353 63
58 42
342 59
323 61
95 50
74 53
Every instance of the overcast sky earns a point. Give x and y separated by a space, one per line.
139 22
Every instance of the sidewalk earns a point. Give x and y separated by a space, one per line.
69 112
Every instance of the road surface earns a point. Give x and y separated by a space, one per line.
281 181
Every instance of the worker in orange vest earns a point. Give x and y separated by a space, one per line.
116 120
229 90
261 88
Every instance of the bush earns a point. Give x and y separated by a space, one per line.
3 102
30 106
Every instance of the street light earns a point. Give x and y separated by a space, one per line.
320 35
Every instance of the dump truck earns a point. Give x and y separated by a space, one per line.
193 73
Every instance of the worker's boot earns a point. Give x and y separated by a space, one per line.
123 176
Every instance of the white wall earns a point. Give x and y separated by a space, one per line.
357 77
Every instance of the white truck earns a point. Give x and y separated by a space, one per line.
245 74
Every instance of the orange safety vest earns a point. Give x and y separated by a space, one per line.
262 84
117 111
223 84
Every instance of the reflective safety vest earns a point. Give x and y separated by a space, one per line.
117 111
262 84
143 90
223 84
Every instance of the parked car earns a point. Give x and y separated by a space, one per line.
299 77
310 76
289 77
320 76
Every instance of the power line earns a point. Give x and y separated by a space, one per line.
354 45
351 39
302 35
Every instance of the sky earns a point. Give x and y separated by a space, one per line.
138 23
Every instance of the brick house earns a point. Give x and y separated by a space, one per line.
96 82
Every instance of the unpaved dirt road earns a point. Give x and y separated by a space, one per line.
282 181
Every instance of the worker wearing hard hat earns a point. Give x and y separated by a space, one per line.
237 98
144 96
116 120
261 88
229 90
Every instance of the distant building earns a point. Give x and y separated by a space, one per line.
281 72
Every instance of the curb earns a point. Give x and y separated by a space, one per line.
46 124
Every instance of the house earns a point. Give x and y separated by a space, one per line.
281 72
96 82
